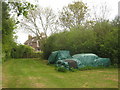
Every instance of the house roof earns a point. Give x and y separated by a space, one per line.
33 39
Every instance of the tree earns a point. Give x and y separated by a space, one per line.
110 48
116 21
8 26
73 14
101 13
21 8
40 21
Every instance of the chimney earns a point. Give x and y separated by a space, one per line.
29 37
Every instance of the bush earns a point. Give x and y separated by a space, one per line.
76 41
36 55
24 51
73 69
61 69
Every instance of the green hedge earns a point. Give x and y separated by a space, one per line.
24 51
76 41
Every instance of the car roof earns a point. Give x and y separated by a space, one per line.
86 54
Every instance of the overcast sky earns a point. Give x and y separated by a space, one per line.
57 5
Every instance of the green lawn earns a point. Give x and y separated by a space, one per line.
35 73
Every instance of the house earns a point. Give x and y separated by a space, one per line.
33 42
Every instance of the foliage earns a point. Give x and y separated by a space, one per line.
77 40
107 40
21 8
61 69
73 14
116 22
36 55
24 51
8 26
73 69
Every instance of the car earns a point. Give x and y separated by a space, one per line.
90 59
84 60
62 58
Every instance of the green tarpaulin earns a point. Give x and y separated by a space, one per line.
58 55
62 58
90 59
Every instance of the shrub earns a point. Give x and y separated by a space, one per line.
36 55
61 69
76 41
22 51
73 69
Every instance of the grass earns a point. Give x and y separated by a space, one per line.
35 73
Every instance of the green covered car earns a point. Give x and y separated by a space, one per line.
63 58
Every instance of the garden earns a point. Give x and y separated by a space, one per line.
71 29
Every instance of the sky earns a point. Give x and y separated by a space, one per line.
57 5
